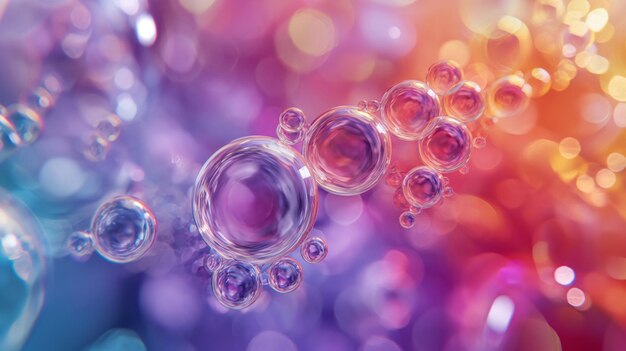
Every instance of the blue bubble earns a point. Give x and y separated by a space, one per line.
237 284
285 275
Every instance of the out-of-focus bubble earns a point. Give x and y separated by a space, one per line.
407 108
480 15
145 29
285 275
22 268
479 142
292 119
95 148
508 96
255 200
61 177
289 137
407 220
9 138
465 102
423 187
373 106
109 128
80 244
509 44
455 50
448 145
576 38
539 80
348 150
124 229
443 75
119 340
314 250
39 100
394 177
271 341
312 32
237 284
212 262
26 121
547 11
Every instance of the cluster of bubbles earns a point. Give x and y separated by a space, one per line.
96 145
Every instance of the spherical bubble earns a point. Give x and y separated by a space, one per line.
348 150
96 148
285 275
465 102
394 177
408 107
576 38
423 187
212 262
287 137
448 145
443 75
479 142
39 100
255 200
508 96
80 244
9 138
124 229
407 220
314 250
373 106
237 284
292 119
26 121
109 128
540 81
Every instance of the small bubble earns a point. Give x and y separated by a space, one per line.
362 105
287 137
212 262
508 96
373 106
285 275
80 244
443 75
292 120
109 128
407 220
408 107
446 180
26 121
448 191
95 148
465 102
314 250
237 284
9 138
480 142
540 81
394 177
464 170
423 187
39 100
448 145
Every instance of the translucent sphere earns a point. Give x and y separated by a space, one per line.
287 137
255 200
465 102
292 119
314 250
348 150
96 148
124 229
443 75
212 262
26 121
423 187
237 284
39 100
285 275
9 138
394 177
408 107
109 128
576 38
508 96
80 244
448 145
540 81
407 220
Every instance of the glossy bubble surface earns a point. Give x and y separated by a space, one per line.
508 96
289 137
407 220
285 275
443 75
422 187
9 138
408 107
109 128
448 145
292 119
540 81
80 244
255 200
314 250
465 102
40 100
348 150
26 121
124 229
237 284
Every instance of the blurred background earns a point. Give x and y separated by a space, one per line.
529 253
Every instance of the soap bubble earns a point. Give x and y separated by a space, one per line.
213 261
80 244
287 137
9 138
423 187
255 200
348 150
465 102
124 229
443 75
394 177
39 100
508 96
448 145
408 107
540 81
407 220
373 106
314 250
292 119
95 148
26 121
479 142
109 128
237 284
285 275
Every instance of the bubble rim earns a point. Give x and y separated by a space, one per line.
446 101
431 128
409 197
250 300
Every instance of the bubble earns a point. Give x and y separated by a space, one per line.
394 177
255 200
314 250
407 220
373 106
39 100
26 121
443 75
547 11
287 137
408 107
540 81
465 102
508 44
124 229
423 187
95 148
237 284
348 150
479 142
9 138
212 262
292 119
508 96
80 244
109 128
362 105
285 275
576 38
448 145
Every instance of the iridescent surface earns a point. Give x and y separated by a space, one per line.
508 96
124 229
255 200
407 108
539 80
26 121
448 145
443 75
292 119
289 137
465 102
80 244
347 150
109 128
422 187
39 100
9 138
285 275
407 220
237 284
314 250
